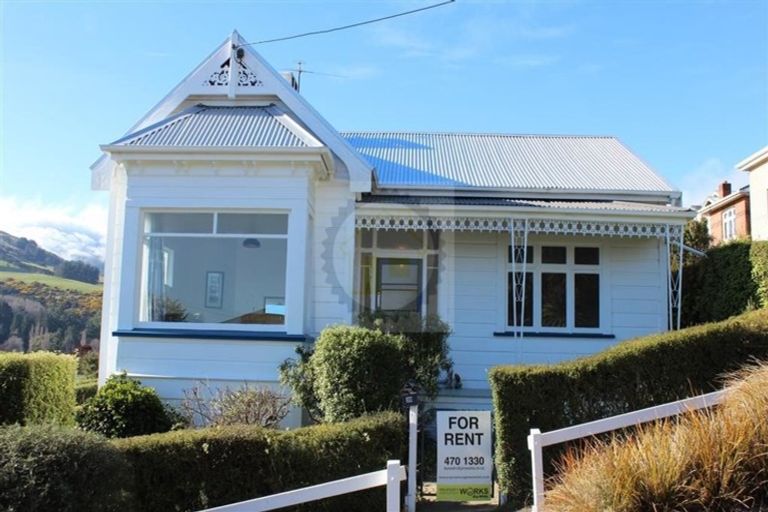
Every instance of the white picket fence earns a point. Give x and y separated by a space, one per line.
391 477
537 440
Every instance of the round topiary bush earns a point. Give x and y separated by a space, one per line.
357 371
62 469
125 408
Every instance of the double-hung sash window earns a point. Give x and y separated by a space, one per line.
729 224
562 288
398 271
214 267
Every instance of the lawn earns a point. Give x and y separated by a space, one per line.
54 281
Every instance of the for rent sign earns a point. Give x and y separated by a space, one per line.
464 460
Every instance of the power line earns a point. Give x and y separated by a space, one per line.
344 27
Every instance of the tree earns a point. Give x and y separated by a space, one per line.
697 237
78 270
6 319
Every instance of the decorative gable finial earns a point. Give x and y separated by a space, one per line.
245 76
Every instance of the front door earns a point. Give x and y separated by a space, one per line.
398 284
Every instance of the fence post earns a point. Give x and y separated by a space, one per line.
413 415
537 469
393 486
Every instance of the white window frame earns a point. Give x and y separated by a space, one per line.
570 268
141 269
729 224
377 253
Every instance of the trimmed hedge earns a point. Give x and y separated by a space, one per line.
45 467
85 389
758 255
731 279
196 469
37 388
629 376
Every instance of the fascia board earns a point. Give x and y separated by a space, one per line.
628 215
540 193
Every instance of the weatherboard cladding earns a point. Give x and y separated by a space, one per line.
540 162
207 126
610 206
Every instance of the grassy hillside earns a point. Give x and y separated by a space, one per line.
49 280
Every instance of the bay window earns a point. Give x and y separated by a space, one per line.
214 267
562 288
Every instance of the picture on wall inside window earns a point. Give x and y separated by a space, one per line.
214 289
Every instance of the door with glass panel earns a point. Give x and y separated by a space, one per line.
398 284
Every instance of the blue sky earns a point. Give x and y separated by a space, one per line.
682 83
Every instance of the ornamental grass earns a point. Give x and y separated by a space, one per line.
705 460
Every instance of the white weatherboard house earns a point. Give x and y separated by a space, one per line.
241 224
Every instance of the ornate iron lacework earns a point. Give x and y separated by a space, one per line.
246 77
538 226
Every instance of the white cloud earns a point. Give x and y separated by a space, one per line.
702 181
70 232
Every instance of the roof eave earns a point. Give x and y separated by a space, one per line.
754 160
672 215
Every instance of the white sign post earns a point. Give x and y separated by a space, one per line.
464 460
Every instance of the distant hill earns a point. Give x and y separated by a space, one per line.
30 262
46 301
22 254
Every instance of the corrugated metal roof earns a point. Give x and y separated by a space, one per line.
208 126
612 206
538 162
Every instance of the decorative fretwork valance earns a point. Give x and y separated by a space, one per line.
538 226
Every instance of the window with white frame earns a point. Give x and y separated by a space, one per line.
562 288
398 271
214 267
729 224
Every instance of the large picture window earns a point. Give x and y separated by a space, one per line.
217 267
562 288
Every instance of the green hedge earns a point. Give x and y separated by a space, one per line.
37 388
85 389
46 467
196 469
629 376
758 255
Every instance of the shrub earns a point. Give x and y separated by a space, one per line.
710 460
353 371
37 388
195 469
426 345
85 389
88 363
246 405
629 376
67 470
123 408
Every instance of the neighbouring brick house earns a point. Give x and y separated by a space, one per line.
727 213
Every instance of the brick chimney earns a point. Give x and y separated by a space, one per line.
724 189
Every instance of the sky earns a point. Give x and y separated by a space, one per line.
684 84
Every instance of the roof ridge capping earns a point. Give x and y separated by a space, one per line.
479 134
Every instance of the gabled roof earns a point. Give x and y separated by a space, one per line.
253 78
213 126
506 162
754 160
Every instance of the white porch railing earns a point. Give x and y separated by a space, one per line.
537 440
391 477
